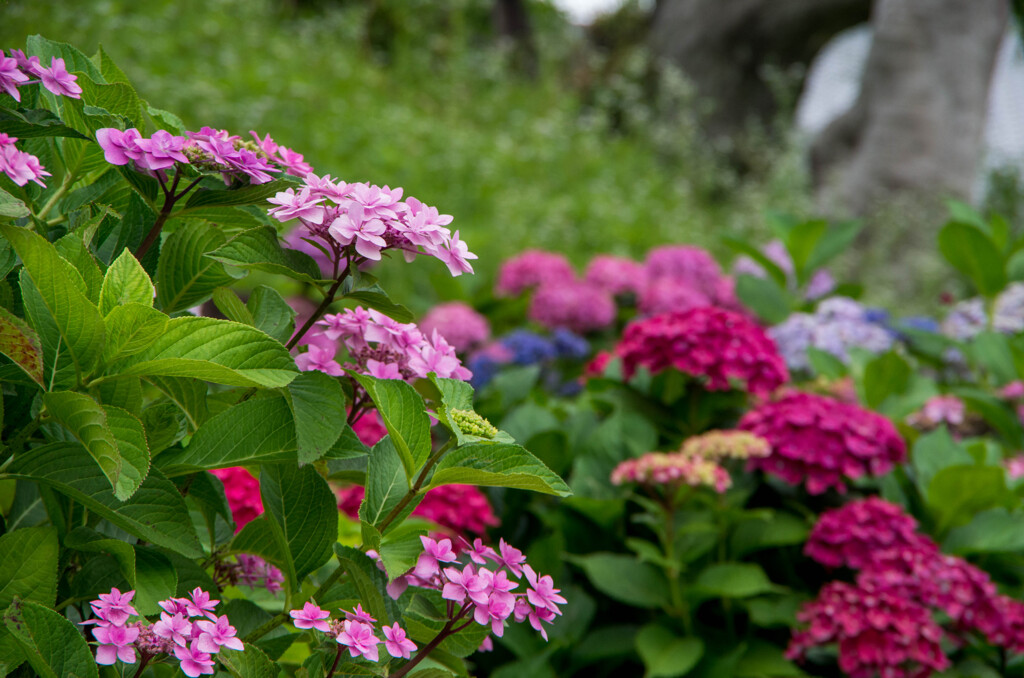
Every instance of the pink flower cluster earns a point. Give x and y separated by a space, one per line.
579 306
719 346
820 441
243 494
458 323
616 275
383 348
941 409
681 277
672 469
353 223
355 632
21 166
18 70
461 510
906 572
878 633
484 592
530 269
189 630
209 149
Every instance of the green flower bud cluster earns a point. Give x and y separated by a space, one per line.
471 423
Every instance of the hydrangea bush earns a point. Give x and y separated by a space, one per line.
169 466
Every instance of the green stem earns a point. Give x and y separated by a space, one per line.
57 195
414 490
448 630
281 618
320 310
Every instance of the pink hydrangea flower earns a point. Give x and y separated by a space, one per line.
114 607
719 346
1015 467
532 268
820 441
458 323
663 295
396 642
359 639
57 79
434 552
173 627
310 617
115 643
855 533
21 166
119 148
321 359
243 494
193 661
217 634
579 306
200 605
11 76
615 275
160 151
360 615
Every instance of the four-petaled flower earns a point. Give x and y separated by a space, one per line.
396 643
217 634
434 552
359 639
114 607
311 617
115 643
194 662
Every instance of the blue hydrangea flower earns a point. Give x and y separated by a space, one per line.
528 348
838 325
570 345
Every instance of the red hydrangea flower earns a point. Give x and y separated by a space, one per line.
717 345
878 633
461 509
579 306
854 534
243 493
820 441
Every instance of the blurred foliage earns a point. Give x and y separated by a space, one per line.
419 93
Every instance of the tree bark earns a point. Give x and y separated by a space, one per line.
724 47
917 126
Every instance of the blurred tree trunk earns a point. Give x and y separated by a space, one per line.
917 125
723 46
512 22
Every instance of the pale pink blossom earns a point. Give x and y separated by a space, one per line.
396 643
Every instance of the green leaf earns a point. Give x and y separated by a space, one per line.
973 254
28 565
364 289
305 512
117 99
186 277
146 186
801 241
10 206
72 248
771 268
125 281
155 579
247 195
114 438
20 343
825 364
367 579
626 579
213 350
886 375
734 580
764 297
666 655
88 540
109 70
400 549
74 59
497 465
992 351
189 395
131 329
53 646
405 417
933 452
155 513
832 243
956 493
260 538
764 660
251 662
259 430
778 529
259 248
318 405
386 483
228 303
56 303
271 313
992 531
35 124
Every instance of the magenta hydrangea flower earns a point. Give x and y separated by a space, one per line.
359 639
321 359
686 262
542 592
119 148
615 275
21 166
855 533
115 643
193 661
11 76
216 634
458 323
434 552
243 493
820 441
396 642
663 295
160 151
878 633
57 79
173 627
578 306
114 607
724 349
200 605
310 617
532 268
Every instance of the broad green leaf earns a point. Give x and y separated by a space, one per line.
117 98
405 417
255 431
305 513
228 303
76 252
51 644
884 376
764 297
775 610
114 438
764 660
365 576
28 565
56 303
666 655
364 289
318 405
186 277
34 124
626 579
992 351
497 465
124 392
386 483
110 71
259 248
165 119
247 195
801 242
20 343
10 206
956 493
125 281
933 452
251 662
771 268
424 618
89 540
734 580
992 531
146 186
834 241
131 329
213 350
971 252
74 59
778 529
260 538
155 513
155 579
448 395
271 313
401 548
189 395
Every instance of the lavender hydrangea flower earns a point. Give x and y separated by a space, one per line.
838 325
